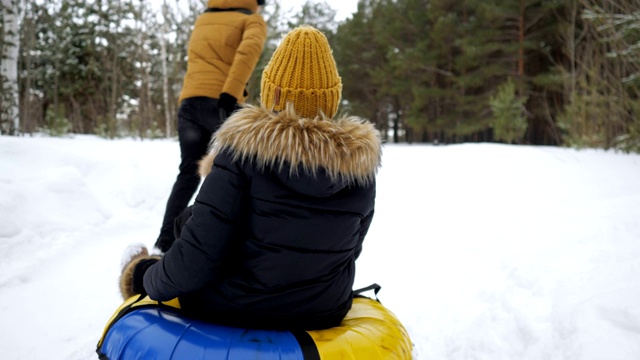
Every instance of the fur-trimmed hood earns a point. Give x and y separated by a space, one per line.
345 150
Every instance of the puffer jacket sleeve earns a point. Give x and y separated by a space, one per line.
366 223
364 229
195 259
247 56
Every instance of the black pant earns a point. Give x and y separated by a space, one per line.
198 119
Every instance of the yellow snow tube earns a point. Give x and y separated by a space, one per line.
369 331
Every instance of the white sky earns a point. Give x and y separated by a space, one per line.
344 7
483 251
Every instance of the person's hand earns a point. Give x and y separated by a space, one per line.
227 104
137 285
131 277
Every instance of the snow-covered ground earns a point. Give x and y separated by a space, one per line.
483 251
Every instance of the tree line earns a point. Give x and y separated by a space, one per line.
546 72
516 71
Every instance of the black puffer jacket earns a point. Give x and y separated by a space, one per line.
277 225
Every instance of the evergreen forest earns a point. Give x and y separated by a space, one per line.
537 72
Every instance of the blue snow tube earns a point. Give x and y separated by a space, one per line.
145 329
156 333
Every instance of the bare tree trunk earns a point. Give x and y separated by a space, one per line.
111 121
142 124
165 77
56 92
10 46
571 43
27 105
521 43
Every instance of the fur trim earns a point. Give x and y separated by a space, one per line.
348 148
205 164
126 278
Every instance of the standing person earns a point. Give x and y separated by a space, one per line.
225 46
282 214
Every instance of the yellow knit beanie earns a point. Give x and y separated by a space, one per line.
302 71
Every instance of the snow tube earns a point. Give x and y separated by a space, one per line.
145 329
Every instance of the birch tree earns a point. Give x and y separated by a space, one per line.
9 50
165 76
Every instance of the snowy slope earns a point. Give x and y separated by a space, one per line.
483 251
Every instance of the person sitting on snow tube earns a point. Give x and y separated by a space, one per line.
273 236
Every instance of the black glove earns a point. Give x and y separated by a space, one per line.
138 275
227 105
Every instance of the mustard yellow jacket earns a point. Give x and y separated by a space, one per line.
223 50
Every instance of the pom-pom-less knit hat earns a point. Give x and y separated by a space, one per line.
302 71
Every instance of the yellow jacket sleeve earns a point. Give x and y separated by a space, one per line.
247 57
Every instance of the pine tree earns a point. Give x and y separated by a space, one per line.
361 60
509 120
